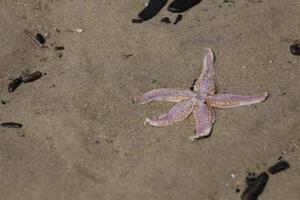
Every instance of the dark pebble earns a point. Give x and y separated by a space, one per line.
60 55
59 48
166 20
126 56
255 187
3 102
237 190
178 19
14 84
153 7
11 125
182 5
31 77
137 21
295 49
40 38
280 166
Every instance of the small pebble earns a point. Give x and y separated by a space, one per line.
3 102
137 21
295 49
178 19
280 166
14 84
59 48
182 5
126 56
40 38
31 77
152 9
79 30
11 125
166 20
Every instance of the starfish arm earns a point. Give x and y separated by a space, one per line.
178 112
205 83
205 117
164 94
231 100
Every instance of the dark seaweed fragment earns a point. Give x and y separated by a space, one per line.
295 49
152 9
31 77
11 125
182 5
165 20
279 166
40 38
12 86
59 48
137 21
178 19
255 187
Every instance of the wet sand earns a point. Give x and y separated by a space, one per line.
83 138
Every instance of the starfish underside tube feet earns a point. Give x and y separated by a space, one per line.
201 101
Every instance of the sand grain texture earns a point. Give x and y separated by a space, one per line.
84 139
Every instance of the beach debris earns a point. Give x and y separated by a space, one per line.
38 39
182 5
295 49
255 187
279 166
57 30
11 125
251 176
12 86
31 77
137 21
126 56
79 30
232 175
152 9
178 19
230 2
59 48
59 54
165 20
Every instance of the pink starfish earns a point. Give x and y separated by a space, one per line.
200 101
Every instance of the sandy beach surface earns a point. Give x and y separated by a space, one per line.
84 139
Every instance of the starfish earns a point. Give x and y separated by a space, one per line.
201 101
